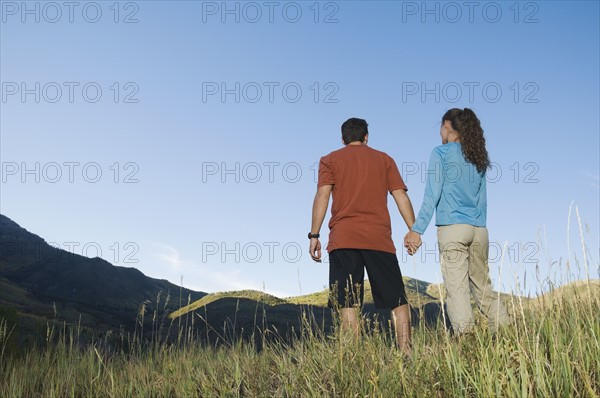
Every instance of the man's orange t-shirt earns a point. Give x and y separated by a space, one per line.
361 177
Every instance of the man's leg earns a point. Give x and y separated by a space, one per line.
350 320
454 241
402 326
481 286
388 291
346 280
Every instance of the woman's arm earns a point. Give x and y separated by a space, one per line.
433 192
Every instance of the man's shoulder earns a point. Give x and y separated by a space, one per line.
367 150
336 152
384 156
332 154
380 153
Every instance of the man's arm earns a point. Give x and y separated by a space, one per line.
320 204
408 214
404 206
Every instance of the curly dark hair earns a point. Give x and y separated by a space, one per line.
466 123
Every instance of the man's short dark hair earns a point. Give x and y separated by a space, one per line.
354 129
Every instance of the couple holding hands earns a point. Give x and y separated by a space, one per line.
359 178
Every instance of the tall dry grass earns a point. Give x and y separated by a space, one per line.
551 349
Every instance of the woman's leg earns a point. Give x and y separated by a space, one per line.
481 286
454 241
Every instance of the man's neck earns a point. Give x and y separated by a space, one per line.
357 143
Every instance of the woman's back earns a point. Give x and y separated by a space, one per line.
463 198
454 189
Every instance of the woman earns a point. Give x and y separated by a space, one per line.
456 189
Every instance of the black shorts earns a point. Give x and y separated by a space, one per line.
347 272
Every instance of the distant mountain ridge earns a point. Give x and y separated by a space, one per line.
34 276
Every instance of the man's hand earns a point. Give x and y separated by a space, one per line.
412 242
315 249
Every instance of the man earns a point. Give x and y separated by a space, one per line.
359 179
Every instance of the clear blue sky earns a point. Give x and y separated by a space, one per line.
219 116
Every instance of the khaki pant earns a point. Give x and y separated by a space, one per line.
464 261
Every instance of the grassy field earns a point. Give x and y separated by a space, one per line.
552 349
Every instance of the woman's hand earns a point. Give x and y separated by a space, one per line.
412 242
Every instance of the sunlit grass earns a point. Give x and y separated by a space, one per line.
551 349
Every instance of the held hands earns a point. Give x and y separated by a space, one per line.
315 249
412 242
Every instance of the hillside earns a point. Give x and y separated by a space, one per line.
43 283
38 279
221 315
572 292
40 283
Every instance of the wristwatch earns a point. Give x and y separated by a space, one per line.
310 235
